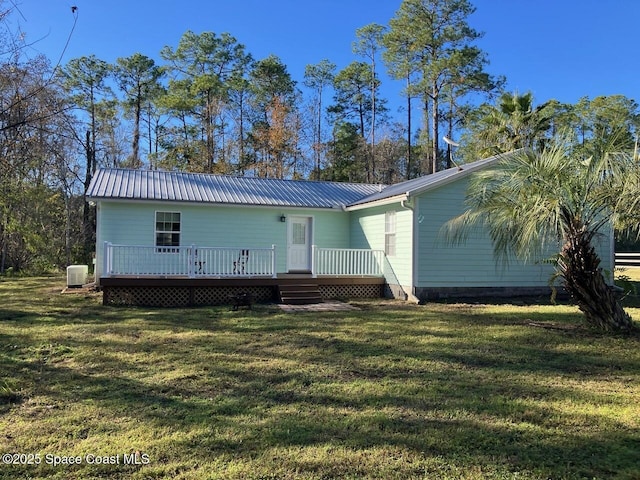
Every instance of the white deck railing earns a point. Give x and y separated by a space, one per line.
191 261
627 259
348 261
194 261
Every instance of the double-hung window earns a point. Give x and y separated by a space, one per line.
167 231
390 233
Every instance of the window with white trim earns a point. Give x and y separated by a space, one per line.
167 231
390 233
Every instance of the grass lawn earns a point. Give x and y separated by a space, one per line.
393 391
633 273
629 279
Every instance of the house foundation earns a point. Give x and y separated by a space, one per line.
426 294
185 292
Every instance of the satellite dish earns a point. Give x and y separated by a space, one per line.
450 142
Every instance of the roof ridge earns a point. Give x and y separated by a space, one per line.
228 175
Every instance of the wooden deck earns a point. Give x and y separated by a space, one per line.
183 291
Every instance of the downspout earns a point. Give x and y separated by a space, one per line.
407 204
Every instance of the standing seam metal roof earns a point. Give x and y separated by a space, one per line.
421 184
113 183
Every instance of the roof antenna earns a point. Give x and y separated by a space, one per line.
452 144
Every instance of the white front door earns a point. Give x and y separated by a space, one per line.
299 244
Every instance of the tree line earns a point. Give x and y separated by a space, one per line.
207 105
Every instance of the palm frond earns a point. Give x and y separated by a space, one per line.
532 201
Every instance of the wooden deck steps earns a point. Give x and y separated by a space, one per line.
302 293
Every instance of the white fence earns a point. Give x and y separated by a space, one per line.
348 261
192 261
627 259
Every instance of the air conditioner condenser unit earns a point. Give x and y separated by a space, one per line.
77 275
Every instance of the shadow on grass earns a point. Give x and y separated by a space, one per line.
470 386
451 413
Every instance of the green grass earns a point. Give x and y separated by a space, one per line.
633 273
628 278
394 391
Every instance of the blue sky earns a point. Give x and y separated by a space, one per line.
562 49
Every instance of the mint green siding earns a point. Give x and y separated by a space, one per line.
422 259
133 223
368 231
471 264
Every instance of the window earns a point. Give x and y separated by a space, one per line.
167 231
390 233
299 233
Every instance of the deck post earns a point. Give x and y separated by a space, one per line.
314 274
191 261
106 259
274 273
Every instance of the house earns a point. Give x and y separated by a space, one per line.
169 238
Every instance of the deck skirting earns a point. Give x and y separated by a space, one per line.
183 292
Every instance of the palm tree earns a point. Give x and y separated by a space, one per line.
534 203
514 123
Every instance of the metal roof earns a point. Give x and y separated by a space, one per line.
113 183
156 185
422 184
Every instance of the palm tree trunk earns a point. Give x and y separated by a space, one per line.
580 268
